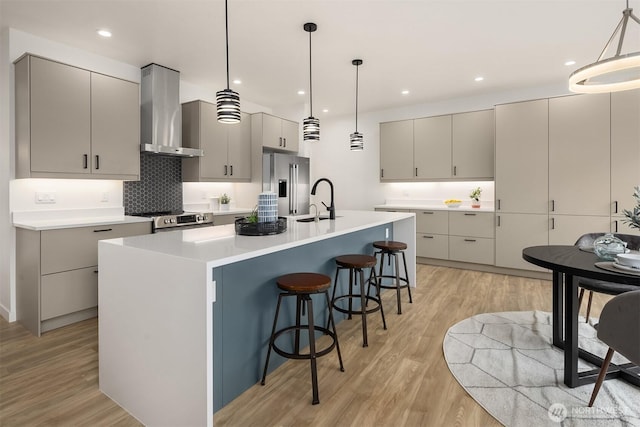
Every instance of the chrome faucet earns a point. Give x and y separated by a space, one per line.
331 208
316 218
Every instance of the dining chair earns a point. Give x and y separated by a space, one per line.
591 285
619 328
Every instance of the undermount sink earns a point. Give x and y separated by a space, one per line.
310 219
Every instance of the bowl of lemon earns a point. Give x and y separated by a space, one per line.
453 203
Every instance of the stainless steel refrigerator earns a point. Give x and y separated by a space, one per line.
288 177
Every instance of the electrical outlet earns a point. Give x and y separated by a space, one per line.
45 197
105 196
386 233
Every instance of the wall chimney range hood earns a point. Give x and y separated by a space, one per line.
161 113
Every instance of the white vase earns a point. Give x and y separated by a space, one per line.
224 206
475 203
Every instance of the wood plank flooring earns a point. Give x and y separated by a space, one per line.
401 379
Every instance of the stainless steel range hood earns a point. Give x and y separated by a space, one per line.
161 113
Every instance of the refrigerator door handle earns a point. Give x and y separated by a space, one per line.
295 189
291 187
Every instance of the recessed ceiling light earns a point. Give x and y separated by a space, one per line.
237 82
300 92
104 33
571 62
405 92
325 110
479 79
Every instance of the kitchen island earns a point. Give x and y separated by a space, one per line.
185 316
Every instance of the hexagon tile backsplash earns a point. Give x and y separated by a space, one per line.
159 188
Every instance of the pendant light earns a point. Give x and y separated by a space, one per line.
357 142
310 125
620 72
227 100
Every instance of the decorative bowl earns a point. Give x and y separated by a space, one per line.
453 203
629 260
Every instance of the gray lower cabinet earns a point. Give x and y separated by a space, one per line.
432 234
74 123
57 273
226 219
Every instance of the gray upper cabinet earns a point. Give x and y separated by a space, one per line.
473 145
396 151
579 154
625 150
449 147
226 147
432 147
275 133
115 126
522 157
73 123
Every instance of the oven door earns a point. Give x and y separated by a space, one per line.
180 227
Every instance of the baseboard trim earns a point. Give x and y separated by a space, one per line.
8 315
485 268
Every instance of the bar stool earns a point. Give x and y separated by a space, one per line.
392 248
356 264
302 286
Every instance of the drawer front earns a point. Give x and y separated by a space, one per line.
432 245
68 292
474 224
74 248
471 249
436 222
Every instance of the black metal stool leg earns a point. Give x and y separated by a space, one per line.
378 294
333 294
363 307
332 323
271 340
397 267
406 274
312 350
351 275
296 343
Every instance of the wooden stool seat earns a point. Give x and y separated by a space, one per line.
355 265
356 261
309 283
302 286
391 248
390 245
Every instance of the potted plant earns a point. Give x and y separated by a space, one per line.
475 197
224 202
633 216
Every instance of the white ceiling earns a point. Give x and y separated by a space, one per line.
435 49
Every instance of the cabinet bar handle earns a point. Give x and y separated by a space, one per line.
553 205
498 221
469 214
455 170
102 230
85 161
427 237
231 168
498 204
427 213
284 142
381 173
416 171
97 162
225 170
469 240
616 208
95 271
553 223
616 225
280 141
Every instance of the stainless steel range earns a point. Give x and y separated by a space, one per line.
167 221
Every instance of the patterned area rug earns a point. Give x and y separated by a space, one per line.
507 363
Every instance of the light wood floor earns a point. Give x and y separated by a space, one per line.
401 379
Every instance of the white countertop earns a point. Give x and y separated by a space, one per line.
56 219
220 245
436 207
